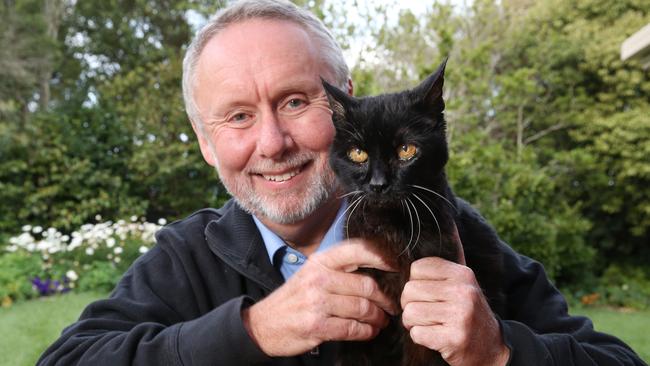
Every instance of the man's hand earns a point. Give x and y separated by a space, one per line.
323 301
445 310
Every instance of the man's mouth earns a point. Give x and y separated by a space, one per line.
282 177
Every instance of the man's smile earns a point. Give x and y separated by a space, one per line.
282 177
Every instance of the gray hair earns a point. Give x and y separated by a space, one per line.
244 10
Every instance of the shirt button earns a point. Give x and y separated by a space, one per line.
292 258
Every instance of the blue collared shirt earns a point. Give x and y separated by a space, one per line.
289 260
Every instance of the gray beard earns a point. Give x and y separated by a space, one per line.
272 209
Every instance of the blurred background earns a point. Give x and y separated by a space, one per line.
549 131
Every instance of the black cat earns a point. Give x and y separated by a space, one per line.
389 154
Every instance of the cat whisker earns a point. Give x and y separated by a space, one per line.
408 245
355 201
350 194
417 216
432 215
435 193
354 206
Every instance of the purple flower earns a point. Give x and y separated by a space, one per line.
46 287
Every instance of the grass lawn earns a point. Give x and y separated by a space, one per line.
630 326
29 327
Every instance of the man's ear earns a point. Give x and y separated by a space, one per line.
204 144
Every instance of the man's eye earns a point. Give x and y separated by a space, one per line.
295 103
239 117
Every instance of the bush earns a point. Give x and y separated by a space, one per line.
92 258
518 196
626 287
15 278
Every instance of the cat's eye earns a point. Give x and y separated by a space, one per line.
357 155
407 152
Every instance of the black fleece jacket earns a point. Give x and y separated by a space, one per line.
180 304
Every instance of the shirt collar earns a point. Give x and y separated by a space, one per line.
274 243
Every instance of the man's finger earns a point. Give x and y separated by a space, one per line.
351 255
358 308
438 269
361 286
338 329
427 314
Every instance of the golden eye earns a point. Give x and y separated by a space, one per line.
357 155
407 152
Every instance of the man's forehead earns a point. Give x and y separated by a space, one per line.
260 34
251 51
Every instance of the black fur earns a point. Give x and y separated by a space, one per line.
406 222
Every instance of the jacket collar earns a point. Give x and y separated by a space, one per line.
234 238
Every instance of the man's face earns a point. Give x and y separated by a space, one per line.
266 118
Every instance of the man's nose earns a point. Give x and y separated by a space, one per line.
273 139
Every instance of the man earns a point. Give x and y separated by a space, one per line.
267 279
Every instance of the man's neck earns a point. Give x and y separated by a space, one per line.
307 234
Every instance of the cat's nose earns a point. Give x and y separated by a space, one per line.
378 182
378 188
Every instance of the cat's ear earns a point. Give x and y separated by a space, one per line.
429 92
338 99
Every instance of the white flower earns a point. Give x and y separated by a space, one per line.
110 242
65 238
118 250
162 222
90 251
76 242
143 249
27 228
117 259
37 229
98 217
72 275
134 218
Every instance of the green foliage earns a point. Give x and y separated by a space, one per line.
165 167
589 112
518 196
100 276
115 140
625 286
15 277
613 176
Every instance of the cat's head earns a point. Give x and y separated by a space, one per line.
385 144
